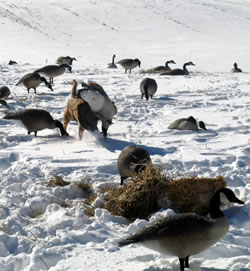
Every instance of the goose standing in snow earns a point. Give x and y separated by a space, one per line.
112 64
186 234
131 160
235 68
65 60
33 80
129 64
148 87
161 69
183 71
52 71
4 92
189 123
35 120
99 103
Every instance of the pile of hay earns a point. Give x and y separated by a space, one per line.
150 190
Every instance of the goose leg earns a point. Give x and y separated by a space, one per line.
182 264
186 262
142 96
122 179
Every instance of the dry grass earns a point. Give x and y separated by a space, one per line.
57 181
148 189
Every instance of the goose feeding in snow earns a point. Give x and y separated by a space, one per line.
183 71
35 120
189 123
148 87
186 234
129 64
33 80
131 160
52 71
65 60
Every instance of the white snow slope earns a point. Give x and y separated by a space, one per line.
37 232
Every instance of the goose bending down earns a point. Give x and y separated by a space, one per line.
236 69
112 64
131 160
129 64
183 71
52 71
189 123
148 87
161 69
186 234
65 60
98 104
35 120
33 80
4 92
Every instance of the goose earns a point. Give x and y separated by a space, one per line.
65 60
148 87
161 69
131 160
183 71
99 103
4 92
129 64
189 123
186 234
35 120
12 62
52 71
112 65
236 69
33 80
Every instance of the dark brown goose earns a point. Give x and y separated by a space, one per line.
186 234
183 71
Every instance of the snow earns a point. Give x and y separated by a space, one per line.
37 231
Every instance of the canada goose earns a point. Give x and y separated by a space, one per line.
33 80
12 62
161 69
3 102
186 234
148 87
35 120
183 71
52 71
65 60
189 123
4 92
112 65
236 69
131 160
99 103
129 64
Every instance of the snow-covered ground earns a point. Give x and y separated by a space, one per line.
37 232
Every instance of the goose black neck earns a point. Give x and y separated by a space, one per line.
214 206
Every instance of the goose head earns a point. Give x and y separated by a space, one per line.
48 85
169 62
138 62
202 125
218 198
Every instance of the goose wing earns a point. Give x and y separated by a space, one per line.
93 98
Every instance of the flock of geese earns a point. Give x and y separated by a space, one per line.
180 235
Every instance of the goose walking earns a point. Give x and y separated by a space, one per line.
183 71
35 120
112 64
189 123
148 87
235 68
129 64
186 234
161 69
33 80
65 60
131 160
52 71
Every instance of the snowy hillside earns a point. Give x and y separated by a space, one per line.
37 231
